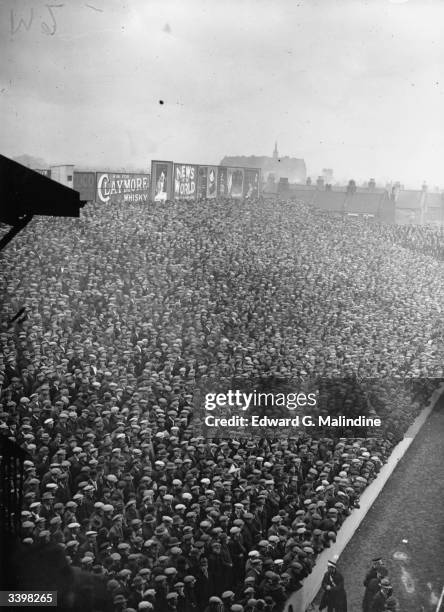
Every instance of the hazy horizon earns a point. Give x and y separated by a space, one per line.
349 85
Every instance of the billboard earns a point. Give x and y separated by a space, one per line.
212 172
235 182
222 189
185 181
202 182
161 180
251 183
119 187
207 185
85 184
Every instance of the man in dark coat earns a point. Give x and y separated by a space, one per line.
376 563
238 554
191 603
203 586
277 592
372 587
334 597
378 603
217 569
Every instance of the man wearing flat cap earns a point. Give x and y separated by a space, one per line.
238 553
190 593
219 569
228 600
203 587
171 601
160 585
215 604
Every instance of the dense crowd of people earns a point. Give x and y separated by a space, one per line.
425 239
127 311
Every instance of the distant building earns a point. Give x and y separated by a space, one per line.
63 173
292 168
275 152
434 209
410 206
347 200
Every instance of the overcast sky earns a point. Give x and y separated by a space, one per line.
356 86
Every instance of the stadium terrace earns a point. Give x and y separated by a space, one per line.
129 312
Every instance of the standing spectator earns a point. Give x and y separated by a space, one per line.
334 598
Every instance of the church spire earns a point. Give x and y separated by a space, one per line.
275 152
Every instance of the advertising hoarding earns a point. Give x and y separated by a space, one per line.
202 182
251 183
235 182
185 181
222 182
212 172
207 184
171 180
119 187
85 184
161 180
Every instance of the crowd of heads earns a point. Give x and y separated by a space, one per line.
127 311
425 239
